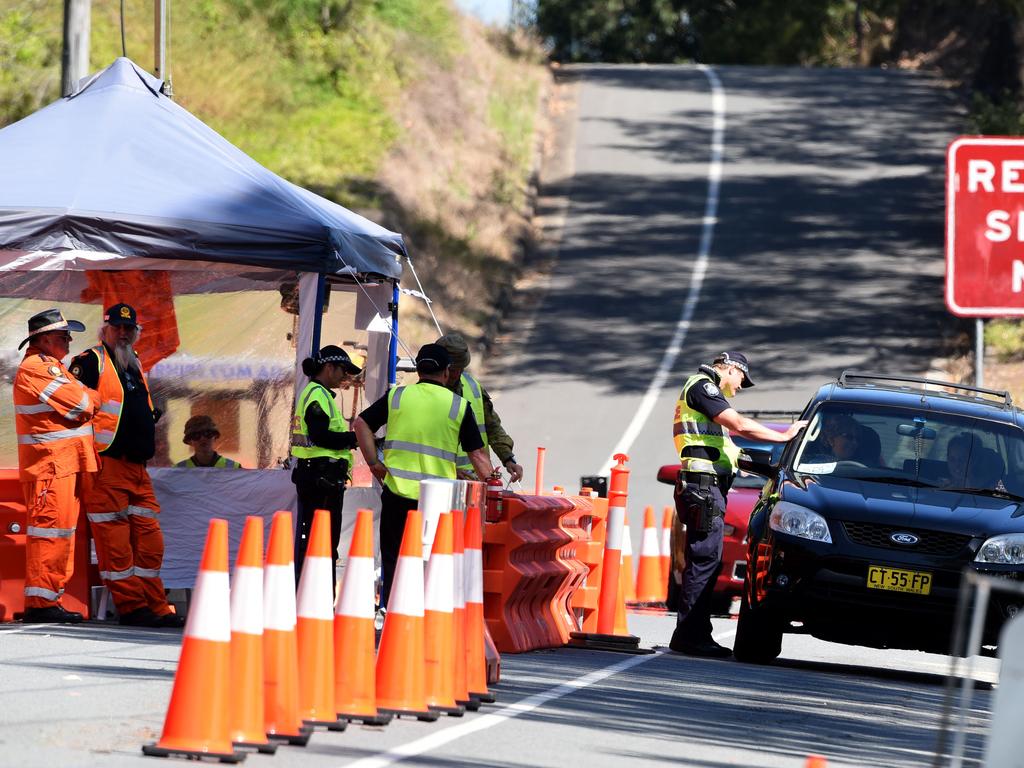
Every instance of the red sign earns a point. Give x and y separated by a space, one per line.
985 227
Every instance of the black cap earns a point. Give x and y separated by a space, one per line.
121 314
338 356
50 320
432 358
740 361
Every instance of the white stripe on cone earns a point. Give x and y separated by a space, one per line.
460 580
316 598
616 520
435 500
247 600
666 541
279 597
356 598
209 616
649 545
407 589
474 576
440 584
627 542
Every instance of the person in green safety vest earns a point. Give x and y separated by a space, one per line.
321 448
493 433
426 424
708 460
201 435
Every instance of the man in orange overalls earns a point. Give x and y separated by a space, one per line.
55 449
121 506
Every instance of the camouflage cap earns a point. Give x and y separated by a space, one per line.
457 348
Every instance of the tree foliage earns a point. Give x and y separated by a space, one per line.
721 31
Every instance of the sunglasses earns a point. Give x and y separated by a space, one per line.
63 335
206 433
841 433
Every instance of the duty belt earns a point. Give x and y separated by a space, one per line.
318 461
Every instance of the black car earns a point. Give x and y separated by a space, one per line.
874 511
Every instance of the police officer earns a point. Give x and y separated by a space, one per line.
709 459
493 433
321 447
426 424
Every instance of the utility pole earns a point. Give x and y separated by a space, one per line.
161 43
74 59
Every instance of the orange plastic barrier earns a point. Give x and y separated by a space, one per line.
524 577
13 522
590 551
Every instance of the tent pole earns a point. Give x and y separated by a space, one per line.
393 343
318 314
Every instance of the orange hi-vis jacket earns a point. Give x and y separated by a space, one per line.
108 417
52 410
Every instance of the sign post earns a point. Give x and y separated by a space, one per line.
985 232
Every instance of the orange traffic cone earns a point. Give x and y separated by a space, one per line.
476 650
626 572
246 711
667 519
355 687
315 629
401 687
816 761
462 697
649 584
280 650
197 716
439 622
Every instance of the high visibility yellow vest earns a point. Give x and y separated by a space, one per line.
473 394
302 446
108 417
423 436
692 427
222 462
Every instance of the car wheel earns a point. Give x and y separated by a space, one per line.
758 635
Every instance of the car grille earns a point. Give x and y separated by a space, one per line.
936 543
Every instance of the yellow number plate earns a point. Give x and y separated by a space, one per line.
896 580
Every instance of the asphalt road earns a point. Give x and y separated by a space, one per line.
826 253
92 695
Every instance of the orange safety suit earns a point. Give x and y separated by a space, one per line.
122 508
52 410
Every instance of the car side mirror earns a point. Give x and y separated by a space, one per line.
758 461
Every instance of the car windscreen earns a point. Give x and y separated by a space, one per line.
913 447
745 479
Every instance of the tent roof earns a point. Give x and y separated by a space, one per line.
119 169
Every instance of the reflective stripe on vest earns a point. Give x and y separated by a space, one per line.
108 417
693 428
302 446
422 436
473 392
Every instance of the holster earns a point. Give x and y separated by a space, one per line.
695 503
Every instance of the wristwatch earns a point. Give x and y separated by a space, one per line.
511 458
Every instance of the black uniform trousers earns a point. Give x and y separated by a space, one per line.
703 564
319 484
394 510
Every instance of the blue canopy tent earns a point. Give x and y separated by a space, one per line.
119 173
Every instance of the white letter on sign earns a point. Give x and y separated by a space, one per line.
980 172
1018 275
998 229
1011 176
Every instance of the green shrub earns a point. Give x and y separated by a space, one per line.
1005 338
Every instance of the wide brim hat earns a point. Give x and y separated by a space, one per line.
197 424
50 320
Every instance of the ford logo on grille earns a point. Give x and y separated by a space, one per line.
907 539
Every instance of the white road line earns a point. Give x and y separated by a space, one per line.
530 703
696 280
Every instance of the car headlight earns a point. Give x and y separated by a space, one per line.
799 521
1007 549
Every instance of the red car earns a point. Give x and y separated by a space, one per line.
745 491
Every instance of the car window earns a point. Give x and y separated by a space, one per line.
919 447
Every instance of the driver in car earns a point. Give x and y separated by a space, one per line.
843 439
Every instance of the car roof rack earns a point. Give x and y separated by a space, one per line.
772 414
999 394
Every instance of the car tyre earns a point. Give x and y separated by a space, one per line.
758 635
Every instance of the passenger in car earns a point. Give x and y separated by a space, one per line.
969 464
